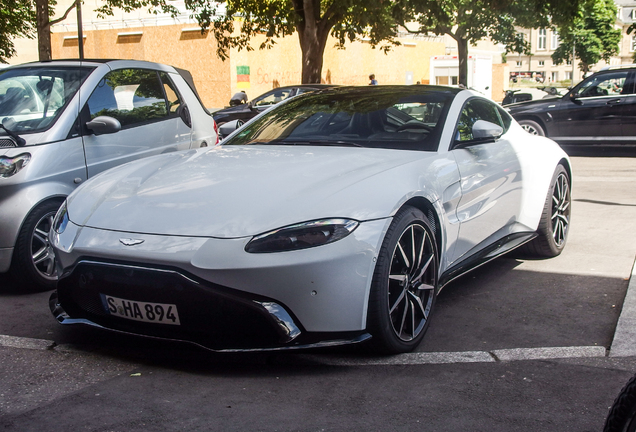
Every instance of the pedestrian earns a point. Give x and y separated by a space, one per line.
238 98
373 80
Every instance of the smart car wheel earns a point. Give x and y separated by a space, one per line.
404 284
33 262
555 219
532 127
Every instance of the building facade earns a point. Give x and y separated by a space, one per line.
539 67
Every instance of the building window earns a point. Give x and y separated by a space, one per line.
519 63
541 62
568 75
541 39
554 41
555 76
632 45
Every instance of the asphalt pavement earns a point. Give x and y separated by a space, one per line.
516 345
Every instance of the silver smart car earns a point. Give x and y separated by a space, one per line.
62 122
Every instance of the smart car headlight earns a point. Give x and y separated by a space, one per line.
302 236
61 219
12 165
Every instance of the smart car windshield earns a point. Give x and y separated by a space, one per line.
400 117
34 97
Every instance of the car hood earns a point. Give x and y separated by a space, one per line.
230 192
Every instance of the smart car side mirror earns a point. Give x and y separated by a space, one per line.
104 125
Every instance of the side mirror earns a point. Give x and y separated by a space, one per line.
104 125
227 128
484 131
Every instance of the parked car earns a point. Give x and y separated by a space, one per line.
599 110
335 217
64 122
246 111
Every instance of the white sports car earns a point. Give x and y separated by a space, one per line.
336 217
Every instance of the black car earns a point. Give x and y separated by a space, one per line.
246 111
599 110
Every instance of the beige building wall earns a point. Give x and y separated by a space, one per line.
256 71
165 44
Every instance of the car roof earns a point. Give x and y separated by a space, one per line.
95 63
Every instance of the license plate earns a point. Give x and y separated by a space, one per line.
159 313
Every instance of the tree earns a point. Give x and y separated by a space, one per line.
313 20
44 22
17 19
591 34
469 21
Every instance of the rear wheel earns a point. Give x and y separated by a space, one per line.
532 127
33 262
555 219
404 284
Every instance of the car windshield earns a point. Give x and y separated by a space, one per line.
393 117
35 96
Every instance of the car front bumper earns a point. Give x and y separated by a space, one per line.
296 299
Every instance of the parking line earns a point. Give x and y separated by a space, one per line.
624 343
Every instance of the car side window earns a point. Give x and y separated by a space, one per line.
132 96
174 100
273 98
476 109
609 84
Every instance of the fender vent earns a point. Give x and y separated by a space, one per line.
6 142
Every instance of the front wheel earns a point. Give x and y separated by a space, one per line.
532 127
33 262
404 284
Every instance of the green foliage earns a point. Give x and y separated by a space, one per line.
17 19
469 21
592 33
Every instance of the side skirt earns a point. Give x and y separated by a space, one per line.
487 254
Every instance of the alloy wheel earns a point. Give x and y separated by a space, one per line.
412 280
560 209
42 256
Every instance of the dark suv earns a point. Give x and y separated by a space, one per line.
599 110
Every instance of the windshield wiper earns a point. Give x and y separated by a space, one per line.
18 139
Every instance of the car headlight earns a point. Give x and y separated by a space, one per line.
61 219
302 236
12 165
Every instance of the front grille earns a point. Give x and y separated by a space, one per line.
211 315
6 143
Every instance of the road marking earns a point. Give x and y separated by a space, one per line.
28 343
624 343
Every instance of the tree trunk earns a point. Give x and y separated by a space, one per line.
462 51
312 32
44 29
312 53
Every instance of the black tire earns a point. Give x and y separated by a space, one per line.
33 262
555 219
532 127
622 415
404 285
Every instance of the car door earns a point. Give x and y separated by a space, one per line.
148 106
490 180
595 109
